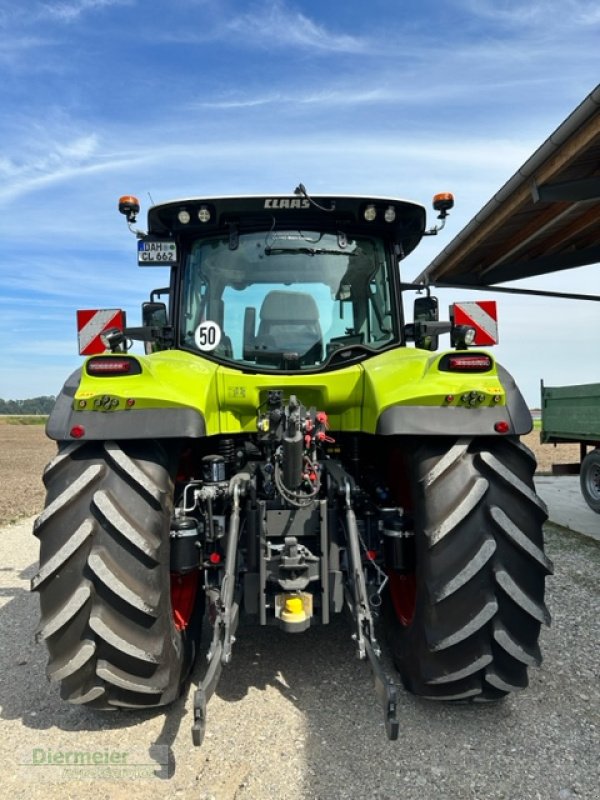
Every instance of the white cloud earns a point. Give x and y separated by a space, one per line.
38 167
542 14
13 47
327 97
70 11
47 157
273 25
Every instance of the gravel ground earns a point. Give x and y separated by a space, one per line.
296 717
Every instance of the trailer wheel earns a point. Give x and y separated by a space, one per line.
479 573
107 615
590 480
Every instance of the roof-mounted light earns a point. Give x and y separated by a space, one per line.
130 207
370 213
442 203
390 214
183 216
204 214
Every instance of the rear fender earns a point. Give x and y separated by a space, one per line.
68 423
423 420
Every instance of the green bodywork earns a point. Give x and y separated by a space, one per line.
354 397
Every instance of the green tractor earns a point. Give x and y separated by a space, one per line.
288 447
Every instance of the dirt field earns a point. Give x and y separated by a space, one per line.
25 450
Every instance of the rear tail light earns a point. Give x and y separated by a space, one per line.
470 362
110 366
466 362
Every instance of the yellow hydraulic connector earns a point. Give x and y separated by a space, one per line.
293 610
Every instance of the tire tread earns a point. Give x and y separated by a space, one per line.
481 568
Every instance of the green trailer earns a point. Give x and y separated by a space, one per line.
572 414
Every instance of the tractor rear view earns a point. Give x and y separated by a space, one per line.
288 446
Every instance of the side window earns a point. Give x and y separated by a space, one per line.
195 293
379 302
379 312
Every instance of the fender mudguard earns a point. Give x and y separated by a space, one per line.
460 421
145 423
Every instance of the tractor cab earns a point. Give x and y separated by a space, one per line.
289 283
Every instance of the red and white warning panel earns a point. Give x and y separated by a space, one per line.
92 323
481 315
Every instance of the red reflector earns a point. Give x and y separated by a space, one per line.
77 431
502 427
215 558
469 362
371 555
100 366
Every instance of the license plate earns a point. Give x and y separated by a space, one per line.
151 253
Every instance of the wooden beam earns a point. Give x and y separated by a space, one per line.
586 136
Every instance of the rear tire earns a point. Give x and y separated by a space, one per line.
480 572
589 478
104 579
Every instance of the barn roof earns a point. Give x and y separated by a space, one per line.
545 218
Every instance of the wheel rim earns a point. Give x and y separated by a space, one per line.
403 591
184 589
593 482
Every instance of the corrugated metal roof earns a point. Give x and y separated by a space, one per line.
545 218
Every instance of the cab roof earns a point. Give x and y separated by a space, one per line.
209 216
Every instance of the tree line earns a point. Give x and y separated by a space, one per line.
33 405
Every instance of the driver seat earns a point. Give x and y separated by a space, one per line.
289 323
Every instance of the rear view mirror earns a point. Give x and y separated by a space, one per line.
426 310
154 315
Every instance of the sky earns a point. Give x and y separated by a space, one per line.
179 98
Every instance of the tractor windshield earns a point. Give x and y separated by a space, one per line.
287 299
